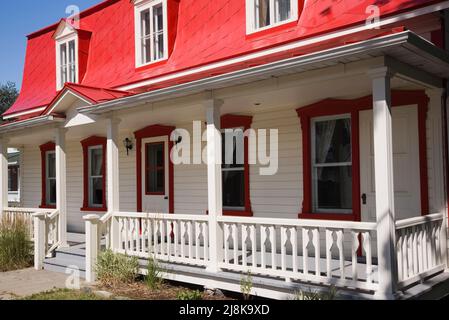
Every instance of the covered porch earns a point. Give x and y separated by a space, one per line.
367 254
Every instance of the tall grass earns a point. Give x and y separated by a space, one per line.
16 249
114 269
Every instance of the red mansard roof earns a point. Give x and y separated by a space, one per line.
207 31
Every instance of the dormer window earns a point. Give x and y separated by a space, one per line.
265 14
67 53
151 31
67 60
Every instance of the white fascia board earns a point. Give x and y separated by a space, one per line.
28 123
23 113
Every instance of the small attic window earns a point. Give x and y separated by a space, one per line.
66 38
265 14
151 31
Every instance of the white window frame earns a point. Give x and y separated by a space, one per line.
65 40
139 7
48 178
90 177
251 18
315 166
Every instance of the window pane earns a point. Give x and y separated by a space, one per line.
96 162
51 191
283 10
51 165
333 141
234 189
155 168
158 27
233 150
96 196
63 58
146 39
72 61
262 13
13 179
334 188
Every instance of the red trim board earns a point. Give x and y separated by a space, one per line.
86 143
49 146
152 132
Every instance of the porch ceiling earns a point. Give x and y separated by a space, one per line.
405 47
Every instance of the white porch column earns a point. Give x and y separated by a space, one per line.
3 174
61 183
383 164
112 163
92 246
214 182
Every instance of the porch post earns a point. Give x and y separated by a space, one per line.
61 183
214 182
383 165
92 246
112 163
3 174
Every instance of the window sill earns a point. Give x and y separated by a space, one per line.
149 65
271 29
328 216
236 213
44 206
88 209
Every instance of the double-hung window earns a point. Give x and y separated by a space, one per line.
331 164
155 168
96 176
13 178
233 169
94 153
50 178
151 32
67 61
263 14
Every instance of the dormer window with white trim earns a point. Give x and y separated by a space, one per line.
67 69
151 31
265 14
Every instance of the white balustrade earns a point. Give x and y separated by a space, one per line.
26 214
420 247
292 250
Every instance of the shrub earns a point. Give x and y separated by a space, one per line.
246 285
311 295
16 249
154 274
113 269
190 295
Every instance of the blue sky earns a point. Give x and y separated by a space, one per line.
19 18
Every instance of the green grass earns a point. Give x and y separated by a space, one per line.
63 294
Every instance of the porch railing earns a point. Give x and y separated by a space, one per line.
321 252
421 248
26 214
287 249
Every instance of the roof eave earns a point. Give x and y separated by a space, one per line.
30 123
406 39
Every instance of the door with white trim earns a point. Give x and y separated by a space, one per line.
155 175
406 163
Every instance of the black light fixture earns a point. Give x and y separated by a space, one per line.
178 140
128 145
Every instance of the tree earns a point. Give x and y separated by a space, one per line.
8 95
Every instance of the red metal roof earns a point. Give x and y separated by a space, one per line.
208 31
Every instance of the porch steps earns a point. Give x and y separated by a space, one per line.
69 259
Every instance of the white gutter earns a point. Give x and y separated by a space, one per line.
29 123
294 45
288 65
24 113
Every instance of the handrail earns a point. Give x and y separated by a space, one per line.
301 223
418 220
106 217
53 214
161 216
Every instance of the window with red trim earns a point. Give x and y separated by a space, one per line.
235 167
48 175
155 168
94 161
